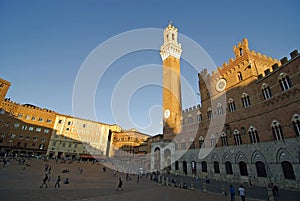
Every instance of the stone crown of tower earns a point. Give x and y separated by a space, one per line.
171 47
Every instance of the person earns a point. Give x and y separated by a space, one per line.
232 193
67 181
207 179
44 182
274 189
242 193
57 182
120 184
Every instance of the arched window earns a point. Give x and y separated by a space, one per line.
277 131
220 109
176 165
284 81
201 142
260 169
243 168
176 144
204 166
216 167
237 137
224 139
253 135
199 116
192 143
245 100
212 141
288 170
266 91
190 119
184 167
228 167
183 144
209 113
241 51
240 77
296 124
231 105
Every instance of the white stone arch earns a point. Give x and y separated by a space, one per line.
295 118
240 156
282 76
227 157
264 85
223 134
214 157
283 155
244 95
258 156
251 128
230 100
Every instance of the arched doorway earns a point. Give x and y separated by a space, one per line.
216 167
288 170
204 166
167 159
194 167
228 167
260 169
184 167
243 168
157 159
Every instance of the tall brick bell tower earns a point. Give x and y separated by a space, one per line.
170 53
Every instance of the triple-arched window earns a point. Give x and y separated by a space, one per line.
284 81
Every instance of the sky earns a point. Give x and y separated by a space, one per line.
44 45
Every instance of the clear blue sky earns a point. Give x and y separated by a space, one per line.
44 43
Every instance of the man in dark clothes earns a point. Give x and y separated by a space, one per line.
120 184
45 181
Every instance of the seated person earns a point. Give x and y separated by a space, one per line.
67 181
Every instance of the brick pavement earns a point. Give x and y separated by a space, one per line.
92 184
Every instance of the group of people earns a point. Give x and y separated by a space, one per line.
241 191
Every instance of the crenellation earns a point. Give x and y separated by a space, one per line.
264 56
259 55
224 64
284 60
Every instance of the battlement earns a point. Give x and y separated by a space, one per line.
279 64
29 106
187 110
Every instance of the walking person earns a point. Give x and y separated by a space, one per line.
242 193
57 182
120 184
232 193
44 182
274 189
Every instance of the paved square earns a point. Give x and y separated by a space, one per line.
93 184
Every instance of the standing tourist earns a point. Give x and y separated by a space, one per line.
57 182
232 193
242 193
